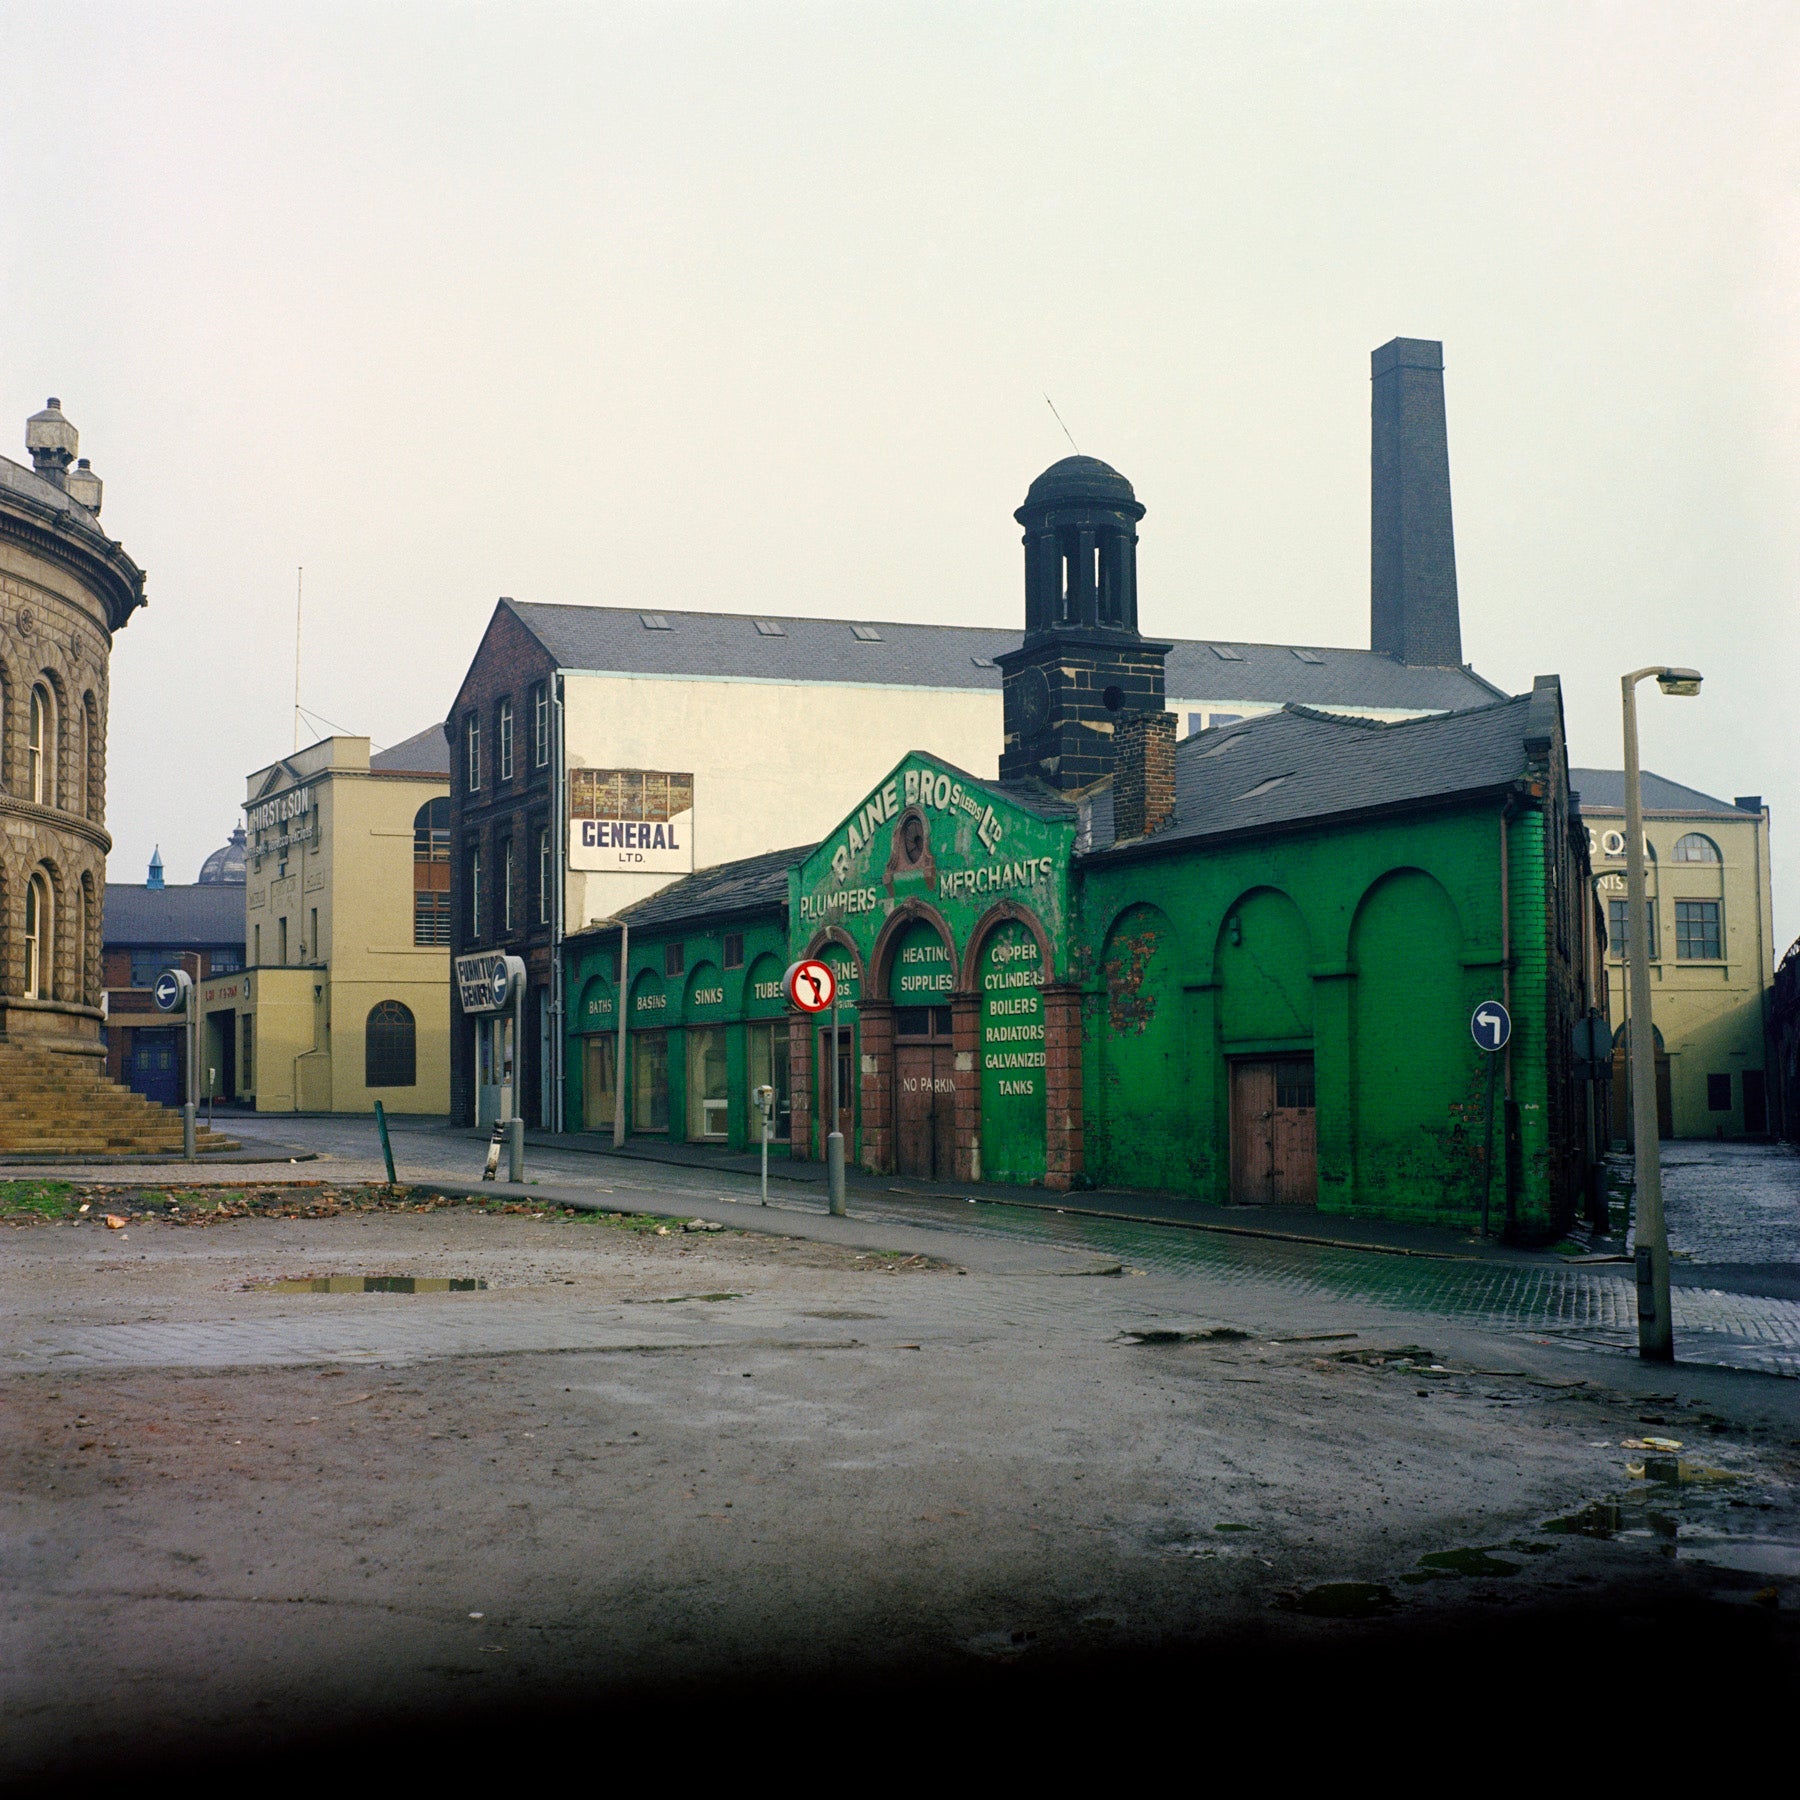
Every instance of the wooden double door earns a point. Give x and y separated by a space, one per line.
924 1094
1274 1132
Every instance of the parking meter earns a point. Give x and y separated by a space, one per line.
764 1097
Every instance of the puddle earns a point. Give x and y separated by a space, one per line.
1678 1471
1615 1517
1447 1565
1407 1356
841 1312
371 1284
678 1299
1234 1528
1752 1556
1343 1600
1213 1334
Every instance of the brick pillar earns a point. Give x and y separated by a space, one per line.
965 1027
800 1086
877 1078
1062 1083
1143 773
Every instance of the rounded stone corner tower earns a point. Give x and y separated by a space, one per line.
65 589
1083 662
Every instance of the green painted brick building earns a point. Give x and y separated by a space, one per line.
1240 968
1260 992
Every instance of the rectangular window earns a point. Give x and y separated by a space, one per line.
281 929
226 962
672 959
504 732
708 1098
1697 931
1618 929
312 933
475 893
540 725
734 949
472 742
543 875
255 947
650 1081
1718 1093
146 965
505 894
768 1057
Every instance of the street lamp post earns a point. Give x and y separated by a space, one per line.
1656 1338
619 1001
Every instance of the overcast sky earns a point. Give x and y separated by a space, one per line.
754 307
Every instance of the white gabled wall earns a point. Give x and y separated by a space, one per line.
774 763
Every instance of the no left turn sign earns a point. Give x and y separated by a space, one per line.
809 985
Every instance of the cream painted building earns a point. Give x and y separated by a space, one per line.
345 999
1712 948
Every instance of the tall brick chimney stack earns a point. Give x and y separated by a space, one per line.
1413 614
1143 773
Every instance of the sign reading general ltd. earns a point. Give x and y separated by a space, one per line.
638 821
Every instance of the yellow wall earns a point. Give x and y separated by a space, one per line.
1711 1014
347 898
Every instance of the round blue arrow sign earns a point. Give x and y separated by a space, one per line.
168 990
1491 1025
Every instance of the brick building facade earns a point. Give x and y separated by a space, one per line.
505 864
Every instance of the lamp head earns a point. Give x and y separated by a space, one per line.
1681 682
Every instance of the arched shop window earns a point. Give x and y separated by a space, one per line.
390 1046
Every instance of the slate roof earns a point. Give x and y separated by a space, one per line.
615 639
426 752
1295 766
1603 791
754 884
144 918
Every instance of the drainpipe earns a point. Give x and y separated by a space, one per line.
1506 932
558 826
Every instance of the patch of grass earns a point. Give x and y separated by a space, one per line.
37 1199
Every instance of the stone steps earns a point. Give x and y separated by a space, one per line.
55 1104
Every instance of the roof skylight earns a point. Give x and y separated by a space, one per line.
771 628
1225 653
653 621
865 634
1311 656
984 662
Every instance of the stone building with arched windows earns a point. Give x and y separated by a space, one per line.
65 589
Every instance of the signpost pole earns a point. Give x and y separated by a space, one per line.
1487 1157
515 1126
619 1058
834 1144
190 1109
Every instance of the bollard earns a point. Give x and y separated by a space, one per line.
387 1149
187 1130
515 1149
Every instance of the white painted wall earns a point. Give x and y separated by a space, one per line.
774 763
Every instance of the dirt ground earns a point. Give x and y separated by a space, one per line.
645 1462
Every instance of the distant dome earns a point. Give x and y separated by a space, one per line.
225 867
1079 479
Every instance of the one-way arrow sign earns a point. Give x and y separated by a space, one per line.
1491 1026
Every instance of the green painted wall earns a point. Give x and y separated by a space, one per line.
1008 978
706 995
1369 946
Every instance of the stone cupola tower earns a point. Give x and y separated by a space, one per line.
1083 663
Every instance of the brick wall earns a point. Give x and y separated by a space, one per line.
508 665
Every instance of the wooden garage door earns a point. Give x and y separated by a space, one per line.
1274 1139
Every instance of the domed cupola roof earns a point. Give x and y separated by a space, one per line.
1080 481
225 867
